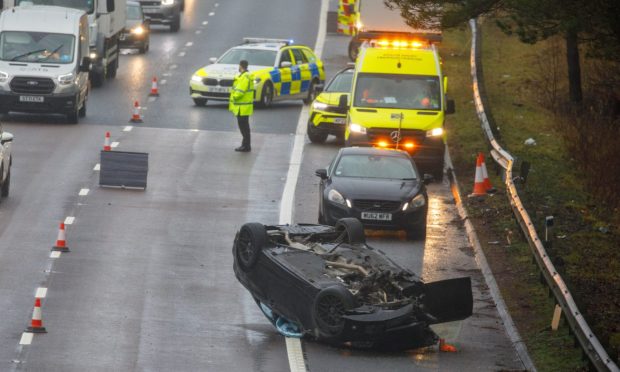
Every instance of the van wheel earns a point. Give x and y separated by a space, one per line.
82 111
72 117
6 186
176 24
96 78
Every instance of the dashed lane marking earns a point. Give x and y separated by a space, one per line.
26 338
216 5
114 144
129 128
182 54
204 23
189 44
69 220
55 254
173 67
198 32
41 292
84 192
97 167
211 14
150 100
163 82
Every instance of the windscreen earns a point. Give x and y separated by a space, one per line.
255 57
408 92
86 5
133 12
341 83
23 46
375 166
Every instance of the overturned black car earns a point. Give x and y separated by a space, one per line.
327 284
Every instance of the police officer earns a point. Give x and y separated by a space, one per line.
241 104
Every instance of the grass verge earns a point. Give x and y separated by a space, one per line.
586 255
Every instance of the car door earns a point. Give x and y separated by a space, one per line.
300 72
285 62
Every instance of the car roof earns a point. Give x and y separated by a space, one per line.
267 46
373 151
133 3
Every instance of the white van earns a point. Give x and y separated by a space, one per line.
44 60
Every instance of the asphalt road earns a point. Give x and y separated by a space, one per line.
148 284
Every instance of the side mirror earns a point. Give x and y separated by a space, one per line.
85 65
321 173
110 4
213 59
285 64
450 109
343 102
6 137
428 178
318 89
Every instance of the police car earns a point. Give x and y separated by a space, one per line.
280 69
326 116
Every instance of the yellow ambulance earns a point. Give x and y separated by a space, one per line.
399 100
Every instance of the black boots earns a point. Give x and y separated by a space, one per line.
243 149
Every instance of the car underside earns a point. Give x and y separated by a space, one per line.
324 282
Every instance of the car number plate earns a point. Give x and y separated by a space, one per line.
37 99
149 10
218 90
377 216
339 120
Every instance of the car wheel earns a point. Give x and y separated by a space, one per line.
315 134
266 96
352 230
416 232
6 186
249 243
143 48
310 97
330 305
201 102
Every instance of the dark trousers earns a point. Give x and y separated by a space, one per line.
244 128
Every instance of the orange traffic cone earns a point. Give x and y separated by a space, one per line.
485 177
136 117
446 348
479 188
36 325
154 89
61 243
106 142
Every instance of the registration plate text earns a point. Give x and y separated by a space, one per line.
218 90
377 216
37 99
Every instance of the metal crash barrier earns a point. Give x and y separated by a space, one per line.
580 328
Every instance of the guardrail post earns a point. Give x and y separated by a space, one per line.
548 231
557 315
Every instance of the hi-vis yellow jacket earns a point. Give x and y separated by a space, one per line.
241 101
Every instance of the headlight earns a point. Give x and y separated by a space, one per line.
257 81
167 2
3 77
139 30
93 56
434 132
197 78
320 105
415 203
65 79
356 128
336 197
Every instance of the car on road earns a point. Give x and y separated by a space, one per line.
137 33
6 160
326 283
163 12
281 70
381 187
326 116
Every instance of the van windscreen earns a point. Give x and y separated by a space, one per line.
409 92
38 47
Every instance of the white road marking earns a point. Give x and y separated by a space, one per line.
55 254
195 130
198 32
150 99
69 220
216 5
163 82
182 54
205 23
83 192
173 67
128 128
115 144
294 350
166 74
211 14
189 44
41 293
97 167
26 338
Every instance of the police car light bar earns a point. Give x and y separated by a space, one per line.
257 40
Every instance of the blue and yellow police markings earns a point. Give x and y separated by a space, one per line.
295 79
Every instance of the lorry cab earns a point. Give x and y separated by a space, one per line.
398 101
44 60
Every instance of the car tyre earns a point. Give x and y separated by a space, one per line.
6 186
353 228
311 96
330 305
200 102
315 134
266 96
416 232
250 240
175 26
